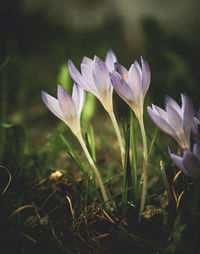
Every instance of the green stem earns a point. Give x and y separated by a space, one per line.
145 164
116 127
166 183
95 171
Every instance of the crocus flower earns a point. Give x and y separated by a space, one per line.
68 108
175 120
94 77
132 85
189 163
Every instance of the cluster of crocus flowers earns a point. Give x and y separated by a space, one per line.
181 124
132 85
95 78
68 108
99 77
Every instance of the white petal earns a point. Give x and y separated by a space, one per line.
135 81
110 60
78 96
52 104
67 105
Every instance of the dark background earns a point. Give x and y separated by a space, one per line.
38 37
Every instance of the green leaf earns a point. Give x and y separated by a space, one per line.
133 149
127 194
89 108
73 154
7 125
177 233
90 143
153 140
64 78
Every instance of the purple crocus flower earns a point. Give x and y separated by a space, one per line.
132 85
94 77
189 163
67 108
175 120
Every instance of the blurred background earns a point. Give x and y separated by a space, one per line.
39 36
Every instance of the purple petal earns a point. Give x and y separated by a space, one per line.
86 60
139 68
121 70
160 122
178 161
174 119
78 96
135 80
52 104
169 102
122 88
163 114
101 76
191 164
66 104
110 59
146 76
187 111
196 152
75 74
87 73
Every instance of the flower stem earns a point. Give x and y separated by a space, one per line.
145 164
116 127
96 172
165 180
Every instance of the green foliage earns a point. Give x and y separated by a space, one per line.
177 232
64 78
127 177
90 143
89 108
73 155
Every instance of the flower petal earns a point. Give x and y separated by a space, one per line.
122 88
171 103
86 60
187 111
135 80
121 70
196 151
66 104
178 161
163 114
146 76
110 59
52 104
87 73
191 164
160 122
76 76
174 119
101 76
78 96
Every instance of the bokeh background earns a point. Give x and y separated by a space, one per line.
39 36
